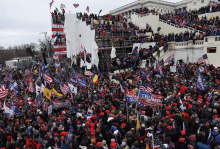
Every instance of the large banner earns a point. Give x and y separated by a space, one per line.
149 99
145 98
132 98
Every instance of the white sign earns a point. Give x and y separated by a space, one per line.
50 109
172 68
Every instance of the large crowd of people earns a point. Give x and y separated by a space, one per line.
185 119
56 106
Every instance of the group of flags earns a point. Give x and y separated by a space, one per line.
62 6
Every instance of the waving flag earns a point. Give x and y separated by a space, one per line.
55 57
76 5
170 58
81 82
209 138
62 6
149 89
3 92
89 113
203 58
210 96
200 84
14 108
87 9
51 3
142 74
64 88
143 86
159 69
132 98
95 78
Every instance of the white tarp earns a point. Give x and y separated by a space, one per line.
72 36
79 34
145 45
95 57
113 55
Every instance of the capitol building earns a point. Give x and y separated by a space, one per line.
161 6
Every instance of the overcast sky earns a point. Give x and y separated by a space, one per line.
23 20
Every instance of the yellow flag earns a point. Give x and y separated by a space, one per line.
149 38
36 71
47 93
138 124
56 93
56 68
211 17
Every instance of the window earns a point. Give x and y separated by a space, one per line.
211 50
202 1
194 3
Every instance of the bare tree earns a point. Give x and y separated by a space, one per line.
43 43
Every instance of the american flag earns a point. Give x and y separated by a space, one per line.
30 79
47 78
78 75
157 143
27 72
31 88
3 92
85 52
203 58
51 3
64 88
57 10
213 3
98 103
87 9
143 86
170 58
149 89
55 57
76 5
159 69
81 49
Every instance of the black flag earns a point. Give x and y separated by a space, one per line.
100 11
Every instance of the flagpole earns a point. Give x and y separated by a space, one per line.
153 140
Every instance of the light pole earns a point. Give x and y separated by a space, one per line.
45 34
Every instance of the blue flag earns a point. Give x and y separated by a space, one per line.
17 92
111 31
200 84
72 80
15 108
81 82
56 80
142 74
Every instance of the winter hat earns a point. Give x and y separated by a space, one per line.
215 129
181 140
192 138
112 140
183 132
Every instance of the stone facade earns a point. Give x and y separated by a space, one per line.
160 6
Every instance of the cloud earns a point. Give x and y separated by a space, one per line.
23 20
